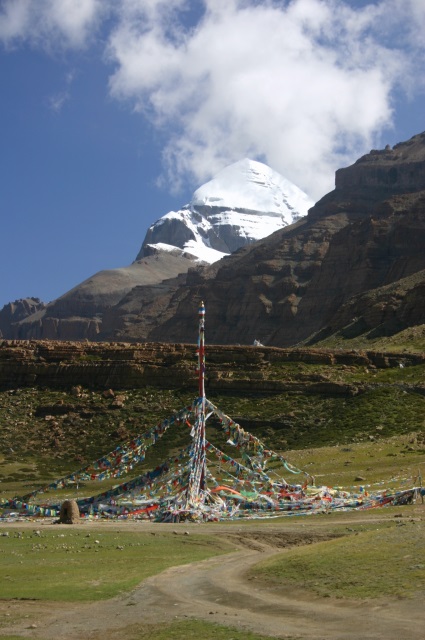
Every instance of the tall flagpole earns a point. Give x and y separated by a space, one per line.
201 350
202 416
195 493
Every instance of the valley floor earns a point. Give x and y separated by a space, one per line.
221 590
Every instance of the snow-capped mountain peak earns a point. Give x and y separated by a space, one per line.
244 202
252 185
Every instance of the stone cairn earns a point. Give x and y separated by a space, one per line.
69 513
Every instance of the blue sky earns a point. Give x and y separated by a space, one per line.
113 112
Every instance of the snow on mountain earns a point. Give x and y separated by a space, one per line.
252 185
244 202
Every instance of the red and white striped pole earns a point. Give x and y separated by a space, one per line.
201 350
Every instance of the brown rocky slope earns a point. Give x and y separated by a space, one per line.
77 315
299 284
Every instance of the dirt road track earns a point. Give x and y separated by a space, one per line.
219 590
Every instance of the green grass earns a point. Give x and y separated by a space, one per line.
410 340
402 376
297 421
69 566
291 423
184 630
385 462
384 561
180 630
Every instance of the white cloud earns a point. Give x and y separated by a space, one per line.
49 23
58 99
14 20
304 85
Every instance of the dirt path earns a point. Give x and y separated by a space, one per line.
219 590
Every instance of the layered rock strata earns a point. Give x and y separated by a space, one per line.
171 366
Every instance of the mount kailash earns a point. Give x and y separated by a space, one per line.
243 203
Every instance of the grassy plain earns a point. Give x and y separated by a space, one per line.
78 565
371 561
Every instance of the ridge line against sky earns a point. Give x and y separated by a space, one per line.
114 111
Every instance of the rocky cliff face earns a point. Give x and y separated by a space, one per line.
396 170
291 287
16 312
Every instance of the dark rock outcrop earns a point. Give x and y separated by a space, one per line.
15 312
380 312
396 170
